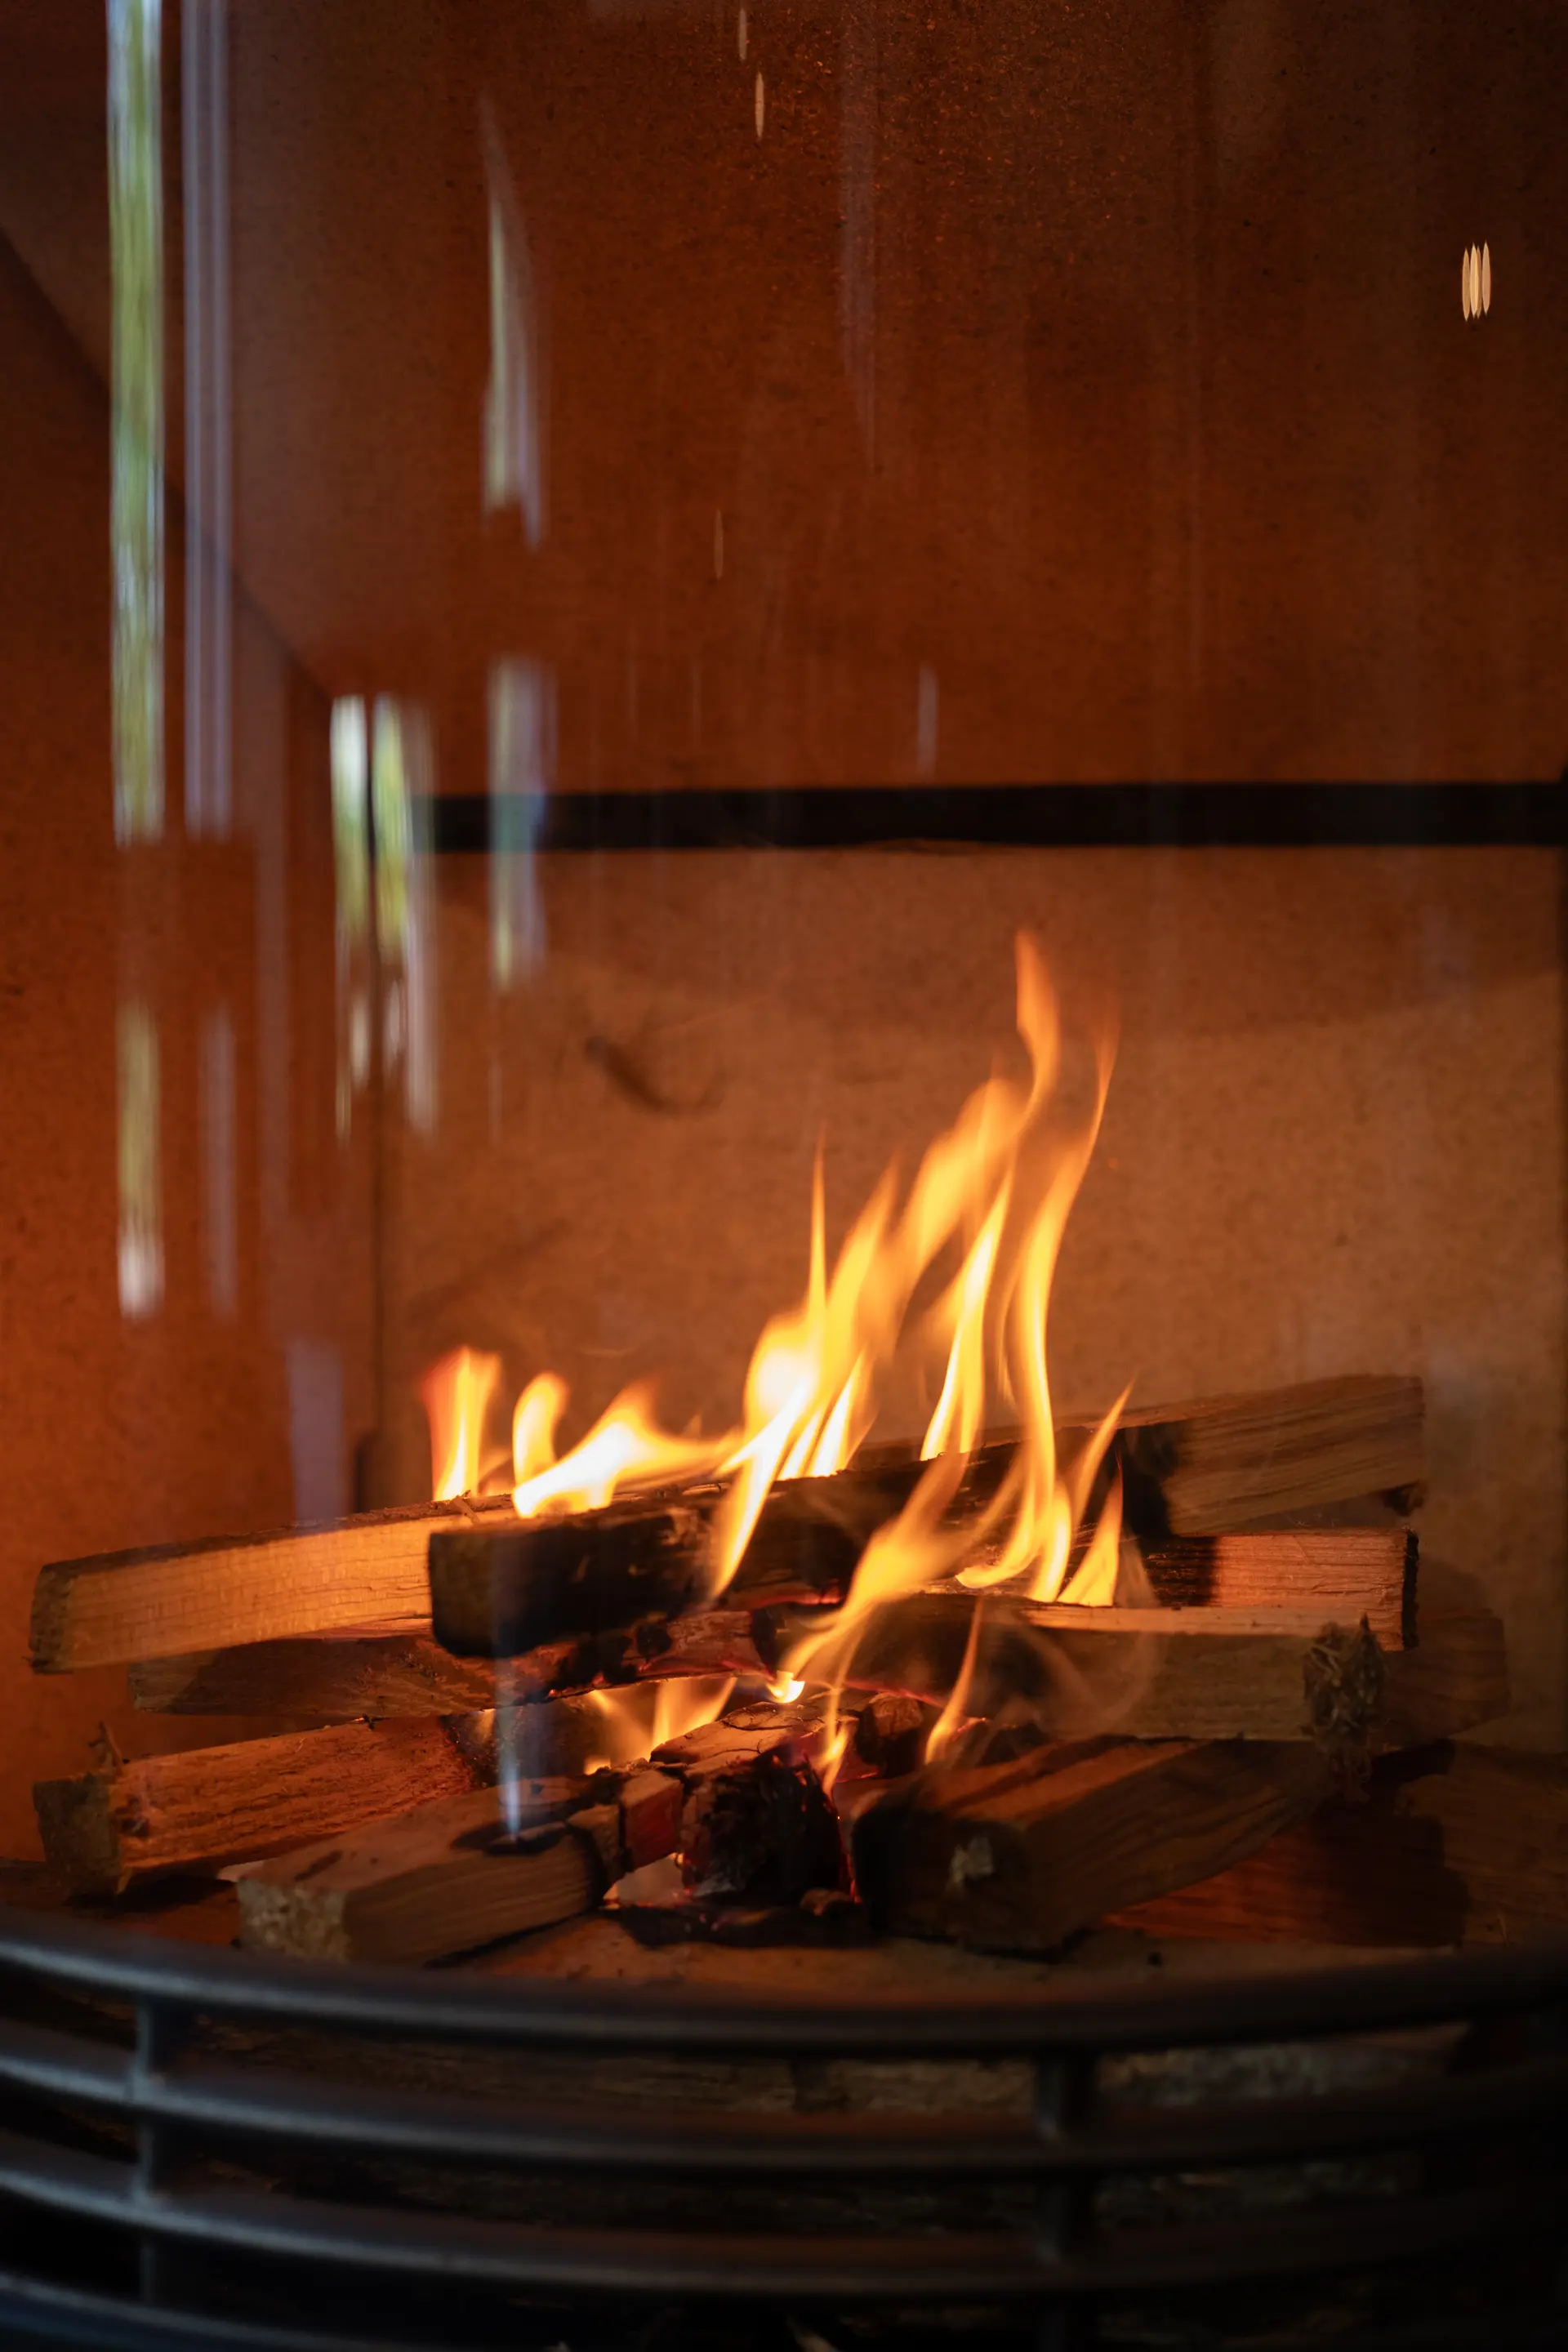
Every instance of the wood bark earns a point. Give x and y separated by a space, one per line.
1017 1857
108 1830
1451 1844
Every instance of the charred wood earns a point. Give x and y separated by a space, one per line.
498 1593
739 1805
1347 1572
822 1919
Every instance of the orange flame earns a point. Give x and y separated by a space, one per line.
636 1720
455 1394
992 1196
625 1448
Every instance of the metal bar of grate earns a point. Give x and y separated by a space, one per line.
201 2097
996 2266
1311 2004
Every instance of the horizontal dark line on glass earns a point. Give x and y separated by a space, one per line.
1064 816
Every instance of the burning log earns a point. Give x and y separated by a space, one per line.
109 1829
1451 1844
489 1589
499 1593
1189 1674
757 1826
1203 1467
1348 1572
1017 1857
738 1801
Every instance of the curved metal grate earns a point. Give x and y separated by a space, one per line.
200 2148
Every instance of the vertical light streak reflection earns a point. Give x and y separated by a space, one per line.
136 449
220 1163
521 771
209 477
927 708
351 865
141 1187
515 394
402 767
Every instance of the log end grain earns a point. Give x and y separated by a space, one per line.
81 1839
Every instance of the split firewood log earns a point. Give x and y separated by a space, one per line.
1449 1844
1188 1469
447 1877
1189 1674
490 1590
170 1599
341 1678
1227 1461
1346 1573
496 1592
115 1827
335 1679
1017 1857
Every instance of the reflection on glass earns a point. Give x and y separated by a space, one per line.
402 766
521 770
136 498
927 709
351 865
205 68
220 1162
141 1207
514 398
381 762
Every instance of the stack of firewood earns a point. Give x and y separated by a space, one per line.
1227 1714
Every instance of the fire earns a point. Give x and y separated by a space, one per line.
984 1216
457 1393
637 1720
625 1448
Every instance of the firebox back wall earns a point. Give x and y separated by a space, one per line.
1333 1141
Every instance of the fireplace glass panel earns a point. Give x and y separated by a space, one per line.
575 575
